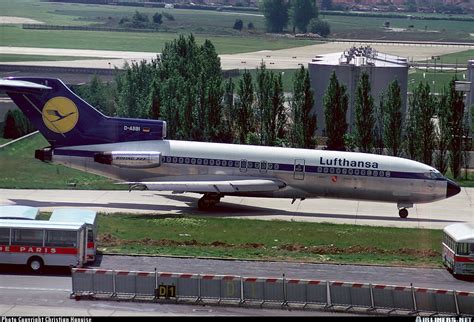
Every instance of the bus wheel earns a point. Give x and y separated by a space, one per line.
35 264
403 213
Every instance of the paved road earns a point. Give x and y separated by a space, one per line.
434 215
402 276
290 58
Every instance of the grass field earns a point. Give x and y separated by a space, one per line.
19 169
128 41
259 239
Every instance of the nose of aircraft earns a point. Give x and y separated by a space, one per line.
452 188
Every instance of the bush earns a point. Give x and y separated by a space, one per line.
319 27
16 125
157 18
250 26
238 24
168 16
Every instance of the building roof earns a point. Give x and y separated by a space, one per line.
361 56
73 215
461 232
18 212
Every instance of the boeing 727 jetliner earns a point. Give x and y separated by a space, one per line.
136 152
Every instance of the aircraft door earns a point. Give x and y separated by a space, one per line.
243 165
299 169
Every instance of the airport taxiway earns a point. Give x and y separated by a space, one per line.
435 215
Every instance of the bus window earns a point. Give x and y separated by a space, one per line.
90 235
4 236
463 249
27 237
61 238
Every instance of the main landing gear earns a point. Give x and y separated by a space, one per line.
402 209
208 201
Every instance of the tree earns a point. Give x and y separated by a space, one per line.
455 104
301 12
303 120
364 115
229 122
393 119
424 122
411 135
275 115
133 89
245 100
98 94
320 27
442 135
140 20
238 24
16 125
263 93
335 102
379 127
276 14
11 130
157 18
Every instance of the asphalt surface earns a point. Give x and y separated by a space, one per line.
434 215
401 276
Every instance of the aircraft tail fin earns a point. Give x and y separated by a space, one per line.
67 120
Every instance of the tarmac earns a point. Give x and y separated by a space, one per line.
434 215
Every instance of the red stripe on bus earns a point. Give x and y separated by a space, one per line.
90 245
314 282
39 250
462 259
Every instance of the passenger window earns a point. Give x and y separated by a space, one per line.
27 237
4 236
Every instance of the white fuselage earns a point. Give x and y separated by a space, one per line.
307 173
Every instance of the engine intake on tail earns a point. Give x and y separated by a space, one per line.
129 159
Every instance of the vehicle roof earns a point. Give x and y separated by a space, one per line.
73 215
461 232
18 212
29 224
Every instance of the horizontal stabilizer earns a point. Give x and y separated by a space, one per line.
17 86
220 187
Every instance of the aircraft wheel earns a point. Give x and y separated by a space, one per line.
403 213
204 204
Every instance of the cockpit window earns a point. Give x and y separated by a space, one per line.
434 175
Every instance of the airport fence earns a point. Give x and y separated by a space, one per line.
302 293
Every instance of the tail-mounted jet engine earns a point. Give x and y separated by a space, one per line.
129 159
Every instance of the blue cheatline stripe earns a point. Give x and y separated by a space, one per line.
255 165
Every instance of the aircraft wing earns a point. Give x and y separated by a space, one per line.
211 186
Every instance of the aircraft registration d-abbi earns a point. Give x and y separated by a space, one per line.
136 152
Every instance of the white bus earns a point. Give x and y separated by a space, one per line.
39 243
458 248
18 212
85 216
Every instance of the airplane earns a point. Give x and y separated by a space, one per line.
136 152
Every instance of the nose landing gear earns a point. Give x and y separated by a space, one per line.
402 209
